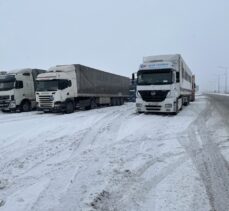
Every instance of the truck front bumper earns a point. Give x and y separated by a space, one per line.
166 106
55 107
8 105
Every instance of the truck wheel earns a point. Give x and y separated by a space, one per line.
181 108
25 107
112 102
188 101
93 104
118 102
69 107
176 108
185 101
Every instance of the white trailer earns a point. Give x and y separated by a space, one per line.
67 87
17 89
164 84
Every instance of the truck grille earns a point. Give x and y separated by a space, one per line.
46 101
4 104
153 108
4 101
5 97
154 95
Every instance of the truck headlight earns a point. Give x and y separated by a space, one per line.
57 104
138 105
168 105
12 104
171 94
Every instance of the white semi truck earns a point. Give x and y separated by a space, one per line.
164 84
17 89
67 87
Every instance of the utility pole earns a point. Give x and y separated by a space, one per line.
218 83
225 81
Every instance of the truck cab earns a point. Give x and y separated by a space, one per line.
17 90
157 88
54 88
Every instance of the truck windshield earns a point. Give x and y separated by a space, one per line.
7 82
52 85
155 77
49 85
6 85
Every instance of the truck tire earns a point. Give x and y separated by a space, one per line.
118 101
122 101
69 107
176 108
185 101
112 102
188 101
92 104
25 106
181 108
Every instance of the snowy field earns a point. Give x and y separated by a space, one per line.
112 159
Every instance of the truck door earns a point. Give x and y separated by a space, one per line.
19 91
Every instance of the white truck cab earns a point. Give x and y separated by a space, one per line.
54 87
163 84
67 87
17 89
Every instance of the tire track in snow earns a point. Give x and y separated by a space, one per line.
37 158
128 189
78 154
208 160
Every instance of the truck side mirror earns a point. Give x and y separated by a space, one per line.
177 77
133 77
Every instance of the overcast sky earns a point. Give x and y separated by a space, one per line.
114 35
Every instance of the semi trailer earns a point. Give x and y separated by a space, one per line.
17 89
164 84
68 87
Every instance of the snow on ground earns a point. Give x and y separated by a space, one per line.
103 159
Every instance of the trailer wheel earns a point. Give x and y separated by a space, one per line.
113 101
185 101
118 101
181 108
122 101
25 106
69 107
188 101
92 105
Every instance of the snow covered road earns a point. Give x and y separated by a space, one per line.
114 159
